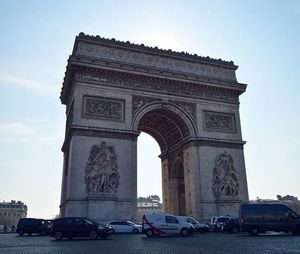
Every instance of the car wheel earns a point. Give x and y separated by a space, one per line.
184 232
296 231
93 235
58 236
235 230
149 233
254 231
21 232
103 237
135 231
44 232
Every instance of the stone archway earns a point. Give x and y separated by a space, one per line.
171 126
190 105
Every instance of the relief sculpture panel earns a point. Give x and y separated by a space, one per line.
97 107
101 171
225 181
217 121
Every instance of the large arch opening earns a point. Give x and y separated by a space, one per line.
169 130
149 167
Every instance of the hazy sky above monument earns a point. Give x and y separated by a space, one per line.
262 37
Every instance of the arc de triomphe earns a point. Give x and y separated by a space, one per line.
189 104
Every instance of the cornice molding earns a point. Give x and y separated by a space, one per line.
77 130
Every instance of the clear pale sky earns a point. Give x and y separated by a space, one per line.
261 37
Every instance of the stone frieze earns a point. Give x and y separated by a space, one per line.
217 121
179 89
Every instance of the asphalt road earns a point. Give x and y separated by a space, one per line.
139 244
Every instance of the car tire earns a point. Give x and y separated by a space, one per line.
21 232
296 231
93 235
149 233
44 232
235 230
135 231
254 231
184 232
58 236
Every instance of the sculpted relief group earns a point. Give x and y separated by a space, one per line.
101 171
189 104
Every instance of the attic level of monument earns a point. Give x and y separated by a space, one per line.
155 50
95 59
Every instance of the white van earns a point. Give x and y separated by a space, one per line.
156 224
199 227
217 222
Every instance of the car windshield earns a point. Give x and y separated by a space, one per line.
223 219
90 221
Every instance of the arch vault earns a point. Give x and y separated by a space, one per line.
189 104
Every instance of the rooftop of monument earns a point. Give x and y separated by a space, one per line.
92 54
156 50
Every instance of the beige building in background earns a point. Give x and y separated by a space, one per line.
189 104
11 212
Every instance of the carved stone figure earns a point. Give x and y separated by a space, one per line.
101 171
189 108
138 102
225 182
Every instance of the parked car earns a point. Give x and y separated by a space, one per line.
232 226
217 222
260 218
125 227
69 227
199 227
157 224
33 225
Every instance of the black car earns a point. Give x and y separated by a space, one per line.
69 227
232 226
260 218
32 225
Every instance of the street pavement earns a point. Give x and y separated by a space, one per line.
139 244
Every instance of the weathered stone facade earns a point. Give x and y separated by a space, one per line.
11 212
189 104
